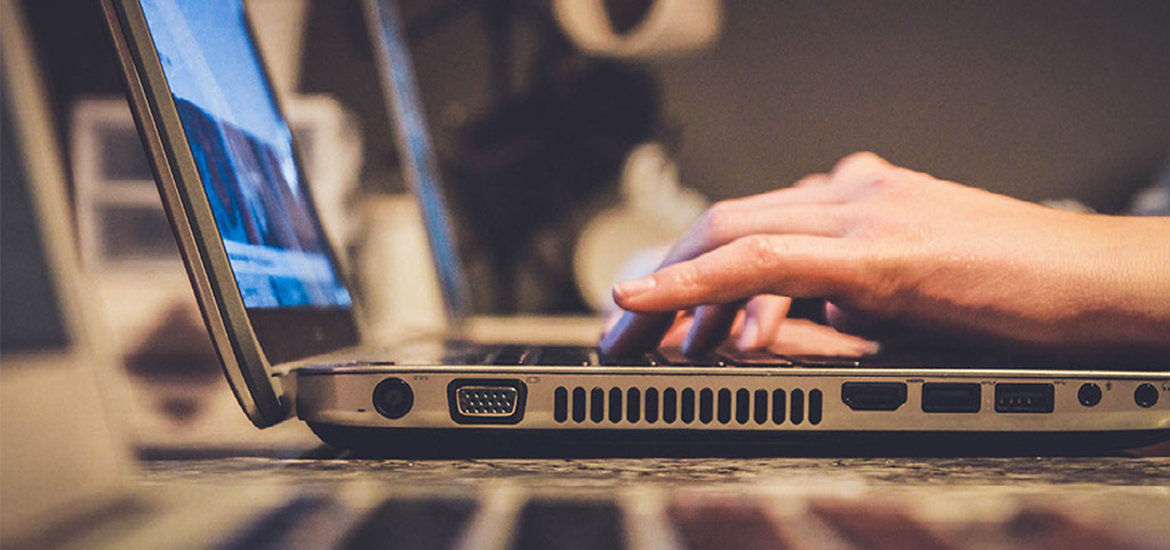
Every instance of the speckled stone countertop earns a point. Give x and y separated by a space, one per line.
879 473
976 503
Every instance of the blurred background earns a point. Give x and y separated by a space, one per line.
569 164
1039 100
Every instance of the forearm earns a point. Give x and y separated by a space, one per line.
1133 306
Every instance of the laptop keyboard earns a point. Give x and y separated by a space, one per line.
667 521
592 356
479 354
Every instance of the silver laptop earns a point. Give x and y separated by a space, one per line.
48 363
66 465
282 316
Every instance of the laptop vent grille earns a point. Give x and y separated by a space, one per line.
706 406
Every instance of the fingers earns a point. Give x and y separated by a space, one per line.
753 324
861 167
813 206
804 337
636 332
812 180
788 265
763 317
780 242
728 222
678 332
711 327
851 323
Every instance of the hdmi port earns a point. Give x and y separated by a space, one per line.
486 401
873 396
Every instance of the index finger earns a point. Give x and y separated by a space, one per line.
788 265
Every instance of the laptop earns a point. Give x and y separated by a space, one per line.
67 472
46 356
281 314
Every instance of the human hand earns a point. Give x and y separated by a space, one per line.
763 324
882 243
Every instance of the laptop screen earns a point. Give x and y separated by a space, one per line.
244 152
419 160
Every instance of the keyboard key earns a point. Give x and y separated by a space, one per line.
568 525
753 358
513 355
305 522
470 355
567 356
824 361
1053 530
674 357
639 360
409 524
726 524
878 525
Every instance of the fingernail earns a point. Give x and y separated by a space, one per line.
629 289
750 335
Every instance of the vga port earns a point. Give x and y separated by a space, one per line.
486 401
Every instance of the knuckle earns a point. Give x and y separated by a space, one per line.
813 180
888 182
717 222
854 160
764 251
685 277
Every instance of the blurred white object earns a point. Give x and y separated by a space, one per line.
121 224
127 247
1155 199
400 291
669 28
280 31
632 238
1069 205
1152 201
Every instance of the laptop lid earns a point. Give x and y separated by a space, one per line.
416 151
268 284
60 458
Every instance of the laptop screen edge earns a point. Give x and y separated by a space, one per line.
249 341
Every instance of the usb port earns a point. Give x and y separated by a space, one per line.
951 397
1024 398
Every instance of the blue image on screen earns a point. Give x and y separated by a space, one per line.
244 152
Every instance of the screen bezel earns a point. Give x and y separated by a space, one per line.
251 342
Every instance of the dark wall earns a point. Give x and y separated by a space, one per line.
1037 99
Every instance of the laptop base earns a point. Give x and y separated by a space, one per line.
416 443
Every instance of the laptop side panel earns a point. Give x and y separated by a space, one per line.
772 404
156 116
